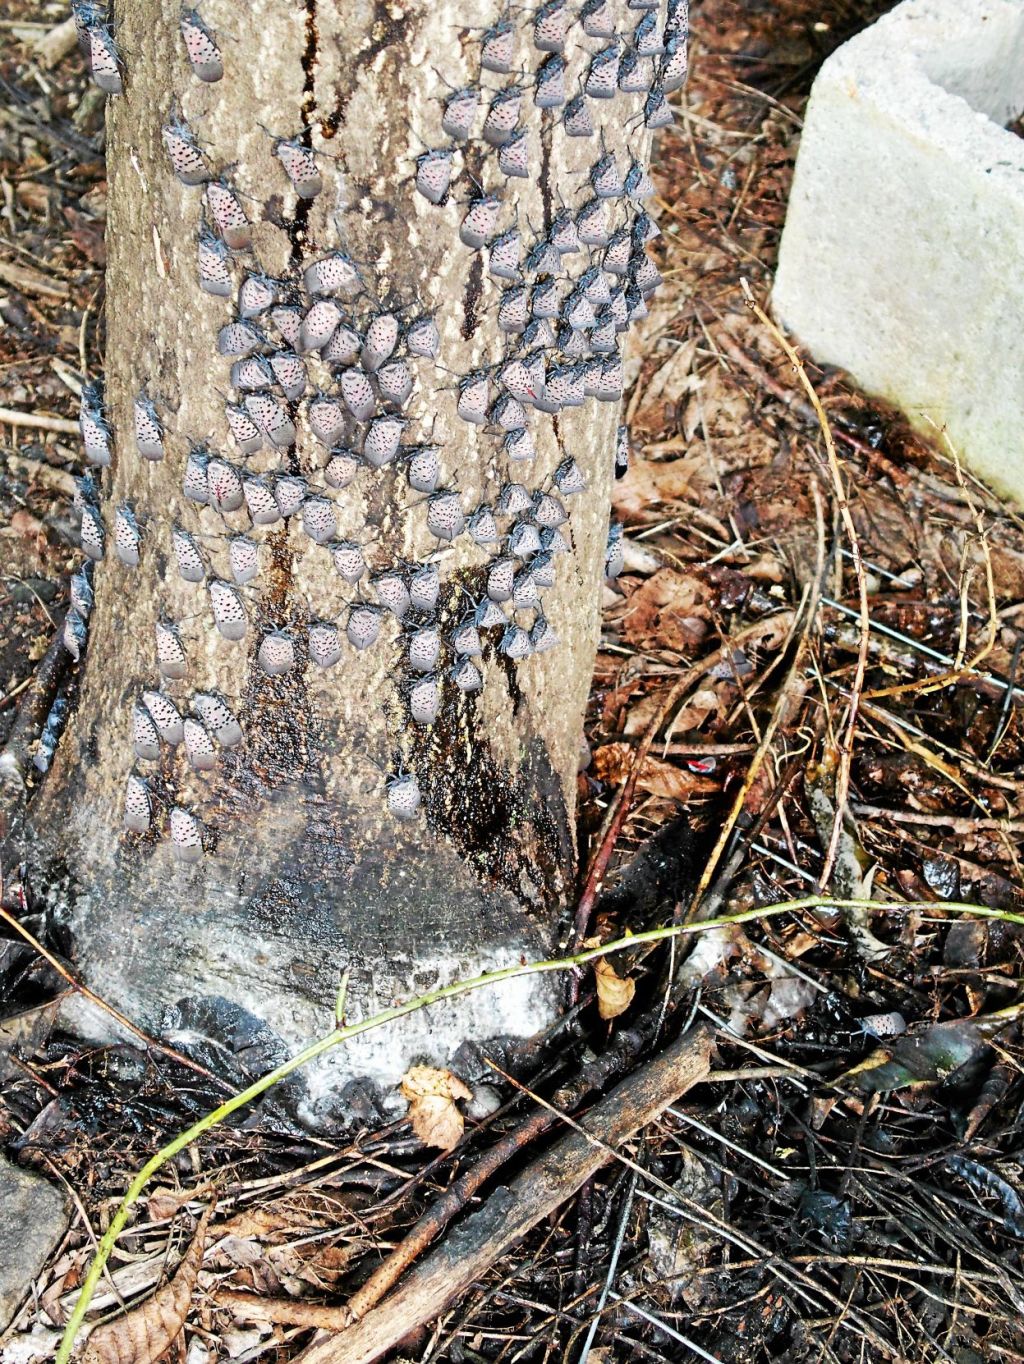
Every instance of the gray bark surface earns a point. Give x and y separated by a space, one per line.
304 870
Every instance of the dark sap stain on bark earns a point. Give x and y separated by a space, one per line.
298 224
471 297
386 33
545 171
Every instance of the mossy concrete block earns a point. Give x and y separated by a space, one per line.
902 259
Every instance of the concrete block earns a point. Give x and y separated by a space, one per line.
902 259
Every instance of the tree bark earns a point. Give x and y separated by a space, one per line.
304 870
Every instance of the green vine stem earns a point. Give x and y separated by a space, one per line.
341 1034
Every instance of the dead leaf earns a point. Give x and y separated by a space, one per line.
144 1333
612 762
650 482
432 1096
667 612
614 992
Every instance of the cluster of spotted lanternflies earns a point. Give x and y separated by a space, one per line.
565 296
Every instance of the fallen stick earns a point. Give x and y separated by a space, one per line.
510 1212
39 421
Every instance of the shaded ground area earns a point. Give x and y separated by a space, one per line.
846 1185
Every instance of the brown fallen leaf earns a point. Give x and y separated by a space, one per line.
650 482
614 992
144 1333
612 762
432 1096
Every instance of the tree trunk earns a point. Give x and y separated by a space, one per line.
305 866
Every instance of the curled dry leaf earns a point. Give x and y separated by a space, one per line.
432 1096
143 1334
614 992
612 762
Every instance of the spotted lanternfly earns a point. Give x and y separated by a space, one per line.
577 313
319 519
500 577
81 591
592 223
482 527
545 301
138 810
380 342
186 836
474 394
517 379
86 492
391 591
603 338
164 714
478 224
515 642
504 254
424 587
424 469
644 229
550 22
252 373
341 469
145 738
105 60
617 253
508 413
199 749
614 558
611 381
502 116
657 110
524 540
423 338
598 19
434 174
149 434
513 309
245 432
543 259
187 161
498 48
75 634
576 119
514 156
636 304
244 558
271 416
228 216
93 425
548 510
605 178
445 517
403 794
618 308
326 419
190 560
215 715
194 483
524 591
382 440
357 391
225 485
644 273
214 271
460 112
646 39
642 4
554 542
203 52
260 501
593 285
344 346
536 363
542 636
229 613
332 274
465 639
466 675
489 614
276 653
240 338
287 319
543 569
256 294
638 183
424 701
348 559
126 536
424 648
290 373
549 90
672 70
519 446
363 626
636 74
569 478
319 324
677 19
564 233
289 493
603 73
395 382
324 640
85 14
300 167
